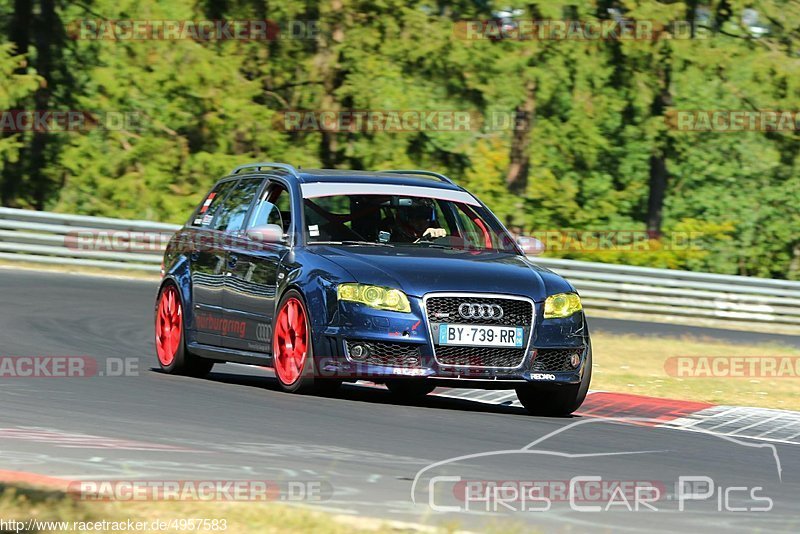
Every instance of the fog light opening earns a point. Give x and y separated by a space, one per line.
359 351
575 360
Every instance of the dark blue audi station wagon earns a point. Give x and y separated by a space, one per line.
397 277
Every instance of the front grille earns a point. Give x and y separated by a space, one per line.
554 359
387 354
479 356
445 310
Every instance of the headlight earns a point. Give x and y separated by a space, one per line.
382 298
561 305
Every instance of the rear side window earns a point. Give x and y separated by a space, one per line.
232 212
205 213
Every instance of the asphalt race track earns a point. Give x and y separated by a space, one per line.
364 452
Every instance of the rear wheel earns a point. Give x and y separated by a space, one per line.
410 389
173 357
557 401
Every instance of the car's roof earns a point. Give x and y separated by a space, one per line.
365 177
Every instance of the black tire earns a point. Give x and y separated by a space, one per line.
410 389
557 401
183 362
196 366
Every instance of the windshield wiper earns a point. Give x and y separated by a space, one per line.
351 243
428 244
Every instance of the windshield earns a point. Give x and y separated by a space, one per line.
403 220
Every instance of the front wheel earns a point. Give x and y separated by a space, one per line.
557 401
291 345
173 357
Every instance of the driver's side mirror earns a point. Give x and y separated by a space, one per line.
530 245
266 233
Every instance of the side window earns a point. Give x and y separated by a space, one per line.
205 213
274 207
230 216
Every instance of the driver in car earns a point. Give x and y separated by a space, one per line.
415 223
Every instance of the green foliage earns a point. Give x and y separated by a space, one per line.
202 107
14 88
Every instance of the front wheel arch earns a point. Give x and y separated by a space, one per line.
557 401
308 382
304 382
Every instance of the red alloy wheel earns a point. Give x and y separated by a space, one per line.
169 325
291 341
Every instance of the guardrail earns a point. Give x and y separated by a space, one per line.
43 237
648 291
56 238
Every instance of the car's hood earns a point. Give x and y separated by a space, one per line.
422 270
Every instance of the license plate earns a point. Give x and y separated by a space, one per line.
481 336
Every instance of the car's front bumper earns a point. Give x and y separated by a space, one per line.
359 324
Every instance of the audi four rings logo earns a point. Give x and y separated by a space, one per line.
472 310
263 332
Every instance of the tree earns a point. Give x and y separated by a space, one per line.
593 144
